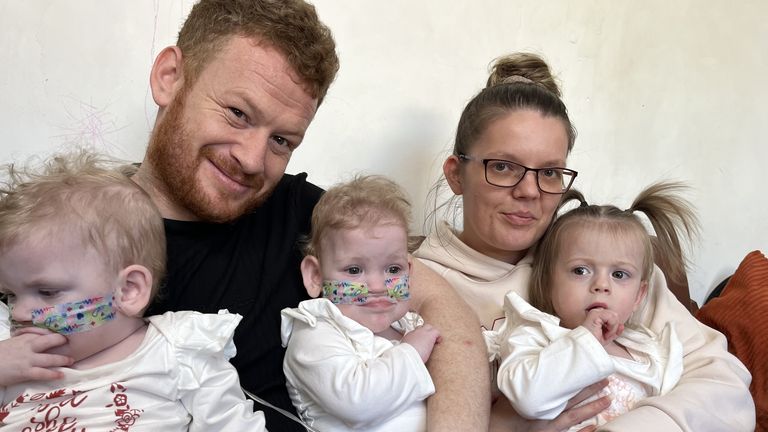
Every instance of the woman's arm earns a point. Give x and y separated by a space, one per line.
713 392
458 364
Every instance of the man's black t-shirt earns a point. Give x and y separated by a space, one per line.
250 267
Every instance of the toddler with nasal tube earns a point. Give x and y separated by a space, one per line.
355 356
82 253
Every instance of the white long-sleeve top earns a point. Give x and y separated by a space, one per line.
544 365
713 392
179 379
342 377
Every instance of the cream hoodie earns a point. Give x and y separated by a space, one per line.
713 392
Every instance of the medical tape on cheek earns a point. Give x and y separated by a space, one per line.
397 288
346 292
75 317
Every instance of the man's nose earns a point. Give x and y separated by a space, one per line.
251 151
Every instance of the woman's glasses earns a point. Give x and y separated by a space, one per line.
507 174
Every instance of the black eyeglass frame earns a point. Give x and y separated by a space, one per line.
485 162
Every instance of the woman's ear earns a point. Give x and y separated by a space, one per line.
452 172
312 275
135 290
167 76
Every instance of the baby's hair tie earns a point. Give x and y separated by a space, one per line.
583 203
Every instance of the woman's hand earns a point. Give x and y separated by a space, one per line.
504 417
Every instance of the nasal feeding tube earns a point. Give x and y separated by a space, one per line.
347 292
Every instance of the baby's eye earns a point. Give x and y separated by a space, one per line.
48 293
620 274
580 270
395 269
354 270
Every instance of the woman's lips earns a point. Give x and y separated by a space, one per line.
520 218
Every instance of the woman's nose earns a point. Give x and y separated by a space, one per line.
528 186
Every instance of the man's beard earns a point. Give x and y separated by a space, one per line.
175 166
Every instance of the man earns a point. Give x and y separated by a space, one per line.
236 96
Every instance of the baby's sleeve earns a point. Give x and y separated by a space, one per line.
208 383
5 322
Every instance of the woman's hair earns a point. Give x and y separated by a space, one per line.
670 215
85 195
518 81
291 26
363 201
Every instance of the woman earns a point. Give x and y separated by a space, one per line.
507 168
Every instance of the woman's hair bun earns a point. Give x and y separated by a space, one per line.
522 68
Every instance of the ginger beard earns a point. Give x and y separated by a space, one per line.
175 164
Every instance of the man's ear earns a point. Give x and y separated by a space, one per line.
452 172
135 290
641 295
313 277
167 76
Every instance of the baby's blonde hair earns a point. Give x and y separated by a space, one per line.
365 200
87 195
670 215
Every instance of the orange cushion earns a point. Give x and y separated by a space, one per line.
741 314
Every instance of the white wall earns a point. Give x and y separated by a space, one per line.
657 90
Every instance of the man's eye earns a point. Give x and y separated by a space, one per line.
281 145
237 113
354 270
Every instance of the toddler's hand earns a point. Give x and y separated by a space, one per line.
24 359
604 324
423 339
